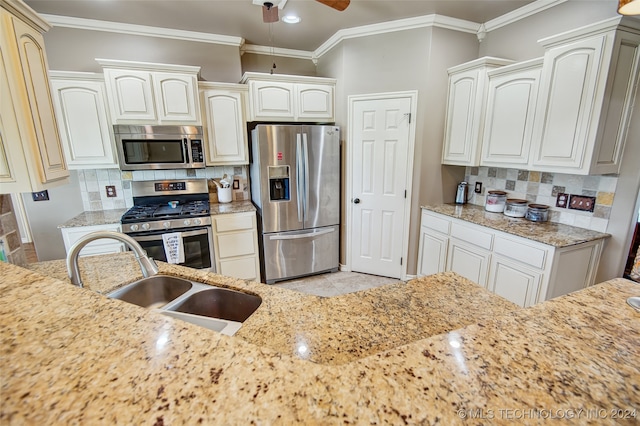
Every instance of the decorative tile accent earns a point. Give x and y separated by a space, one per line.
543 188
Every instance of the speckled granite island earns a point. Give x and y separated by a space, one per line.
438 350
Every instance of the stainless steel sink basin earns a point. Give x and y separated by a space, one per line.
215 308
219 303
153 292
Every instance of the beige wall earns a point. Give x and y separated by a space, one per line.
264 63
75 50
406 60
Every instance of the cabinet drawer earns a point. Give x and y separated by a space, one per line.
436 223
244 268
520 251
235 222
472 235
236 244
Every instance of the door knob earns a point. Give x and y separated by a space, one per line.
356 201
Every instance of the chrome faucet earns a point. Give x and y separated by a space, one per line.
147 265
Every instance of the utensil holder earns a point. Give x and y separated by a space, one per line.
224 195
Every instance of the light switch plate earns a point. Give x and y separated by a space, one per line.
40 195
582 202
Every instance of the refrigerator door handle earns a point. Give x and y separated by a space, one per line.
299 177
305 147
298 236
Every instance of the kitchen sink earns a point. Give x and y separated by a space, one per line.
153 292
211 307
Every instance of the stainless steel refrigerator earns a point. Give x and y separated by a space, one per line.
295 184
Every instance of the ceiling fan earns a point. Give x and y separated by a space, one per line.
270 8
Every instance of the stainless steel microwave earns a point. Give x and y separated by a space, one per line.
159 147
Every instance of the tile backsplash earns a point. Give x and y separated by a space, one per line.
543 188
93 183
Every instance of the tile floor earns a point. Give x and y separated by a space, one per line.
335 283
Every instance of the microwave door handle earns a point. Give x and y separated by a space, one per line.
299 177
185 150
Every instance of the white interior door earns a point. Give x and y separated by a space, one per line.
381 166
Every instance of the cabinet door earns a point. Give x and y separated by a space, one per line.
225 127
103 246
130 95
38 106
462 125
565 127
469 261
432 256
314 102
272 100
14 174
176 97
513 281
509 118
85 128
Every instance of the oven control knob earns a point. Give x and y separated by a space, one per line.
187 222
197 222
166 225
146 226
134 227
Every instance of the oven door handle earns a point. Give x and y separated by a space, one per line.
159 235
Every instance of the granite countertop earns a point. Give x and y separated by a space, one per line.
108 217
70 355
91 218
550 233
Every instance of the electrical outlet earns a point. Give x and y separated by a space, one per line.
111 191
582 202
40 196
478 189
562 200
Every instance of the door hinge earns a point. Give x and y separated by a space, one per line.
409 118
400 261
405 193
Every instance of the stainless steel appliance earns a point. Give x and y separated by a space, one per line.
159 147
461 193
295 184
170 206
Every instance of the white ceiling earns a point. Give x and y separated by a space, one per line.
241 18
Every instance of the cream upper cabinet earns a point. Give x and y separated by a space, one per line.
586 98
85 127
290 98
510 112
32 157
148 93
225 126
466 101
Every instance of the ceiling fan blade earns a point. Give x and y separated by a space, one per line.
336 4
269 13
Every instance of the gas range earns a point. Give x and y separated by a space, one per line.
167 205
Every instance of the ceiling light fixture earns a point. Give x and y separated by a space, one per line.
629 7
291 19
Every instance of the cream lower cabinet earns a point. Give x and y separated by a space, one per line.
520 270
235 240
102 246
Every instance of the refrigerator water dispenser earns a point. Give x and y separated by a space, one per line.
279 183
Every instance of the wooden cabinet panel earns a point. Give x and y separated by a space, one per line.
514 282
468 261
432 256
103 246
130 95
85 127
235 240
176 97
272 100
314 101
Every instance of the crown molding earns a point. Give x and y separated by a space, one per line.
141 30
275 51
521 13
27 14
397 25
